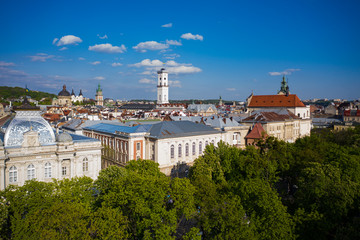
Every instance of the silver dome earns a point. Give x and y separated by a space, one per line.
64 137
25 121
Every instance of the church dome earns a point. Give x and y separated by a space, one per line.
64 137
64 92
26 121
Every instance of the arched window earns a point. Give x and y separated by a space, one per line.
13 174
206 143
213 142
200 147
48 170
30 172
179 151
85 165
193 148
186 149
172 151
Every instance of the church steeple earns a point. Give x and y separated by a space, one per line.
284 89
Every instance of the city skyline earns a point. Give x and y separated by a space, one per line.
209 48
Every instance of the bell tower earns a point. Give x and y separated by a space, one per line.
99 96
162 87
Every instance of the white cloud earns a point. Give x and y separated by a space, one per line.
189 36
148 63
147 73
102 37
175 83
41 57
6 64
150 45
171 66
173 42
147 81
231 89
285 72
115 64
168 25
183 69
171 56
67 40
81 59
107 48
95 63
99 78
63 48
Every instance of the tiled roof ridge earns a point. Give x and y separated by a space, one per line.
291 100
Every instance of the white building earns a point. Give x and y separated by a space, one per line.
162 87
29 149
168 143
79 98
291 102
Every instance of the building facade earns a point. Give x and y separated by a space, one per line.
29 149
282 124
63 99
79 98
168 143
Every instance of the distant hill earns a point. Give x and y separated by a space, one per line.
8 93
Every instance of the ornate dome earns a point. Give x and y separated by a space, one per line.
64 137
25 121
64 92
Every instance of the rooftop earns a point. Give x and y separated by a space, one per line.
275 101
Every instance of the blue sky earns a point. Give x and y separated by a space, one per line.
210 48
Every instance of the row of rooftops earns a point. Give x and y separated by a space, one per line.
159 130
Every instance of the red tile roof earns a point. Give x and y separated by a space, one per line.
352 113
257 132
270 117
275 101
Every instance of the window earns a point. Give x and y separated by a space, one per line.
63 171
172 150
48 170
159 96
200 147
138 146
31 172
187 149
213 142
206 143
179 150
85 165
193 148
13 174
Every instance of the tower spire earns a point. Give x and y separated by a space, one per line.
284 89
